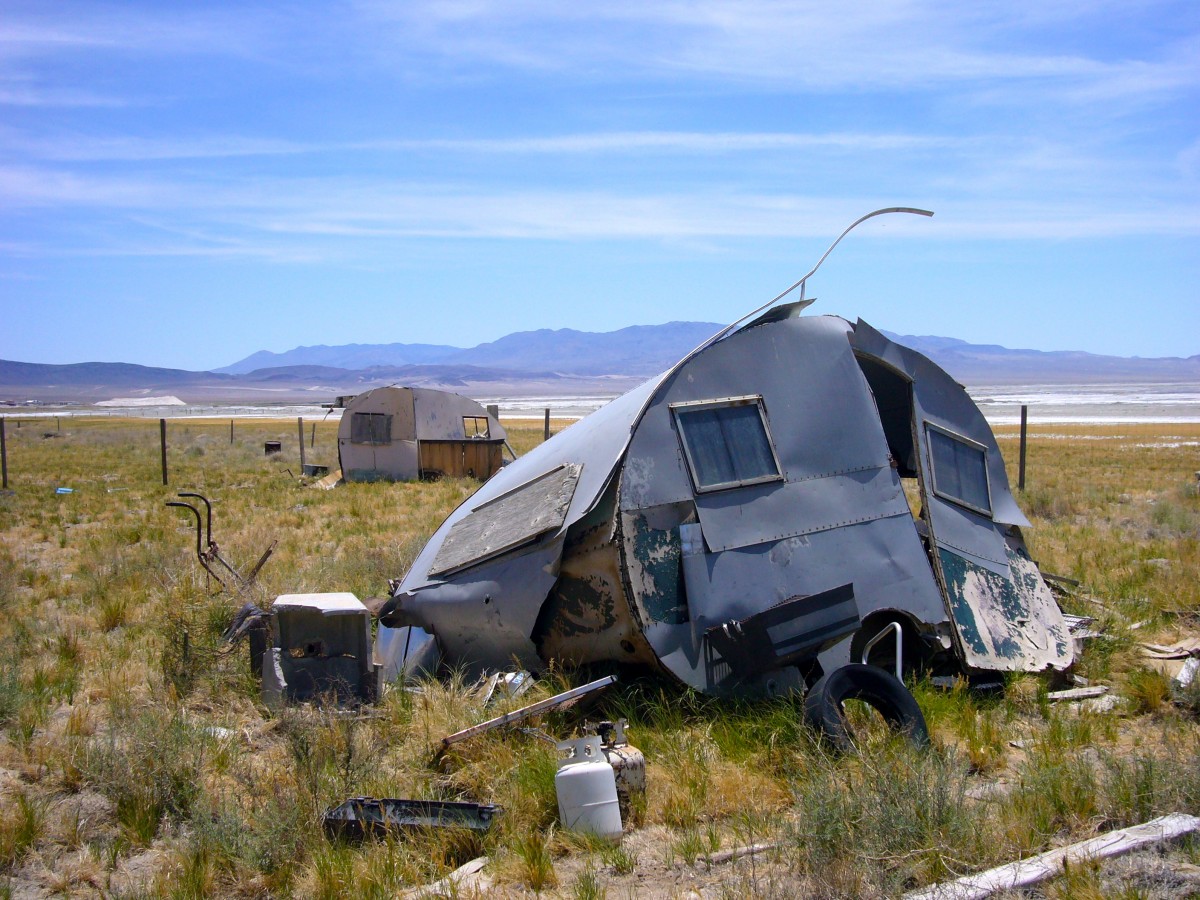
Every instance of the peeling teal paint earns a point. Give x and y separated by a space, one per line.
660 556
954 569
978 589
1003 620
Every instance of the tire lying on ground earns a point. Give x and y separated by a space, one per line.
878 689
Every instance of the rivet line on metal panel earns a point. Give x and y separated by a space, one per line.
837 472
782 536
943 543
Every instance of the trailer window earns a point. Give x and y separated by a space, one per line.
475 427
959 470
726 442
370 428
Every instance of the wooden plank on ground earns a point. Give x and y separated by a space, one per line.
1039 868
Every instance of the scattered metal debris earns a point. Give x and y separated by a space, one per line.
253 624
207 551
507 684
558 701
1178 661
1187 674
359 816
1039 868
1081 693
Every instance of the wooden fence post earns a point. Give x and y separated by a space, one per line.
3 454
546 429
1021 467
300 428
162 439
231 431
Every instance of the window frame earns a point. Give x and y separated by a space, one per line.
931 428
387 429
679 412
473 433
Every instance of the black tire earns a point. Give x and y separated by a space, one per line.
878 689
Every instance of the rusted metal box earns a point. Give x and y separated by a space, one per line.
322 650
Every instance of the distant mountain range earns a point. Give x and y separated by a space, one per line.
528 363
637 350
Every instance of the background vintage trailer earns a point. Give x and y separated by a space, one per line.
404 433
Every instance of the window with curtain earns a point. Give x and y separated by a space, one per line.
959 470
726 442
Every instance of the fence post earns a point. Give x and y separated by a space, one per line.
1021 467
312 441
546 429
300 428
162 439
231 431
3 454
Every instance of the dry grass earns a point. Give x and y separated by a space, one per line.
134 764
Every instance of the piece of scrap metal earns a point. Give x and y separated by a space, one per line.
358 816
505 684
1081 693
208 552
558 701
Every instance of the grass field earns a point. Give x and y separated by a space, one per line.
136 759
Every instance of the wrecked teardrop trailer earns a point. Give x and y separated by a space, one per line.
740 523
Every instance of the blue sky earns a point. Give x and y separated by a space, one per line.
184 184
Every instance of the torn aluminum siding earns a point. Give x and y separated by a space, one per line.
484 616
1004 614
837 513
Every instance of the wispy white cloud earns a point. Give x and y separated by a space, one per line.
80 148
31 96
886 44
69 27
310 218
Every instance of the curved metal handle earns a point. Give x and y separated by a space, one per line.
891 626
208 530
728 328
196 513
813 270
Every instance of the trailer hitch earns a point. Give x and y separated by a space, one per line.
208 552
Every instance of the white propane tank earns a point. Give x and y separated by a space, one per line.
587 789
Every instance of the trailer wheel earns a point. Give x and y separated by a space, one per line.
878 689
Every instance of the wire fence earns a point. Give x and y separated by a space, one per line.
1145 427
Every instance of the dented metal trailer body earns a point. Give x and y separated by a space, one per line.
404 433
740 516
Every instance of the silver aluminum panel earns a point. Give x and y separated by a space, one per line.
771 512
